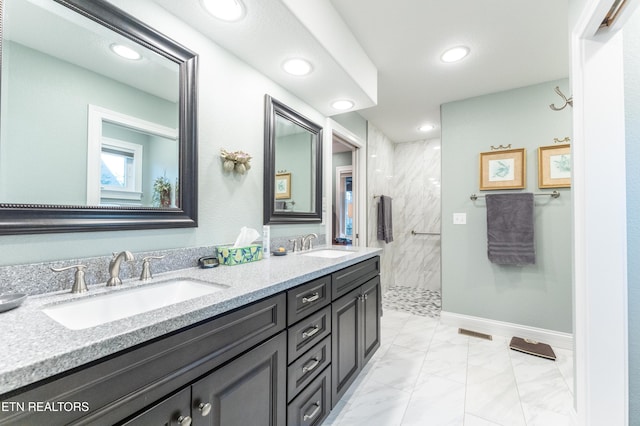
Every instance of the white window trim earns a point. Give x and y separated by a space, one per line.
96 116
125 194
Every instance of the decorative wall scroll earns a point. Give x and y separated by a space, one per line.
503 169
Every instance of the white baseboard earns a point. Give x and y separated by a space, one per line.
554 338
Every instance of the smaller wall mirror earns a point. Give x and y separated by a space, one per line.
293 166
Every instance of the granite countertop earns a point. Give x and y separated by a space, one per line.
36 347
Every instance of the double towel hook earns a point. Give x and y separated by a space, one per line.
564 98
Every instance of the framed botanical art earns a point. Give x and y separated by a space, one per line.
554 166
283 186
503 169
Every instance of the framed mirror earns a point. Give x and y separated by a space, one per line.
292 166
97 121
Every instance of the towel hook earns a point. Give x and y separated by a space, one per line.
564 98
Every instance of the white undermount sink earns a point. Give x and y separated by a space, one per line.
92 311
327 253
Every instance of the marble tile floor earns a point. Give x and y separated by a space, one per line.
426 374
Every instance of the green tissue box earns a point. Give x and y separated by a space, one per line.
237 256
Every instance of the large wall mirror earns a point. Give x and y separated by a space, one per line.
293 166
97 121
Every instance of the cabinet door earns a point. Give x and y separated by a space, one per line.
173 411
249 391
345 337
371 318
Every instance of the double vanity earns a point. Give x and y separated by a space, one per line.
274 342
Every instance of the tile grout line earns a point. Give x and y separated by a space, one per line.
515 379
424 360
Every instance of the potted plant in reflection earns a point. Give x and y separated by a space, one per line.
162 192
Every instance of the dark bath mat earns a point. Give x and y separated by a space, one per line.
532 347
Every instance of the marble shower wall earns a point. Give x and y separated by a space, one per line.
416 200
380 153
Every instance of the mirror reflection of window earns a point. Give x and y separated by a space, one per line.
120 170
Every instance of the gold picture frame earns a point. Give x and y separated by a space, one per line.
283 186
503 169
554 166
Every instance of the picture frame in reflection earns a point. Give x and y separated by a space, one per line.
283 186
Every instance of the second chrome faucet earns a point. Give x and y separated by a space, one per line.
114 267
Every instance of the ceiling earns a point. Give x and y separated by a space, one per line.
57 31
514 43
385 55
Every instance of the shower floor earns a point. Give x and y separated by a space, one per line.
412 300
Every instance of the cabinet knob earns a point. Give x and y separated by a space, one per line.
184 420
205 409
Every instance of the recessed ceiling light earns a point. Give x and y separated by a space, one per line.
125 52
455 54
342 104
226 10
297 66
426 127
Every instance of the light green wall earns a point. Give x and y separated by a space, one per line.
294 153
538 295
632 113
354 122
44 122
231 116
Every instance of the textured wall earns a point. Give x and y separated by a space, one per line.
537 295
231 116
632 112
380 182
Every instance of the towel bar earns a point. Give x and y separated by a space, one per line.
424 233
554 194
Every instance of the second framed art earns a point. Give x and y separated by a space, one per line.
554 166
503 169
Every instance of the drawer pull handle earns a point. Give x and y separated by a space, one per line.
311 365
308 299
205 409
310 331
313 413
184 420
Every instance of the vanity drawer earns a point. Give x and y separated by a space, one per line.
312 406
342 282
308 332
308 367
308 298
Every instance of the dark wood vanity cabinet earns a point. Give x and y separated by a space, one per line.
251 390
284 360
356 334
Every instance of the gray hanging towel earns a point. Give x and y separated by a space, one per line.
510 229
385 226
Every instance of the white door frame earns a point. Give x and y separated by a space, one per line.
599 216
359 175
342 170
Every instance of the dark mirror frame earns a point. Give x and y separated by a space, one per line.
272 109
37 218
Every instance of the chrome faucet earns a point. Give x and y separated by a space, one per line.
307 241
114 267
